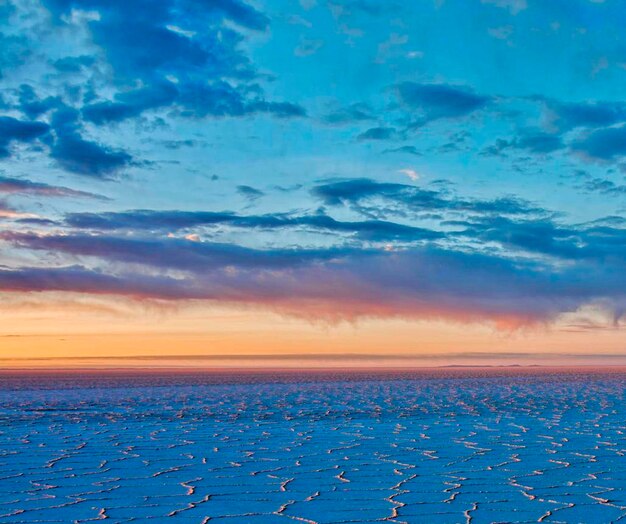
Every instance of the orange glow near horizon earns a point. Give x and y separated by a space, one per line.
59 329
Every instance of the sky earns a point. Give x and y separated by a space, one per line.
435 179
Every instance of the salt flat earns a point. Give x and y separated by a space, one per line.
412 447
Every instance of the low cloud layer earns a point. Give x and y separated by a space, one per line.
327 283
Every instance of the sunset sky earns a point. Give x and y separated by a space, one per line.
347 179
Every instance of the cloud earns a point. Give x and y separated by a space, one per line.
435 101
73 64
409 150
80 156
250 193
130 104
378 133
538 142
143 39
200 68
498 148
531 140
183 58
33 106
601 243
8 212
14 130
603 144
605 187
350 114
63 136
278 109
371 230
84 280
411 173
364 195
10 185
192 100
147 220
85 157
588 114
334 282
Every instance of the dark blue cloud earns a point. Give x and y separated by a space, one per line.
603 144
372 230
604 244
14 130
130 104
63 137
378 133
81 156
605 187
531 140
350 114
33 106
15 48
73 64
189 100
278 109
359 192
587 114
249 192
151 43
84 157
538 142
409 150
498 148
181 56
435 101
515 225
147 220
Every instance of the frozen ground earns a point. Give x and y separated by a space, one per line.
425 447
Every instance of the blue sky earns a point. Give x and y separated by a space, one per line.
462 160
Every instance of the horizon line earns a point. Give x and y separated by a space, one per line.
483 355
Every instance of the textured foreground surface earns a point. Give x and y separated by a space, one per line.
460 446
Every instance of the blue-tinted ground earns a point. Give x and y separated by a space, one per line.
413 448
